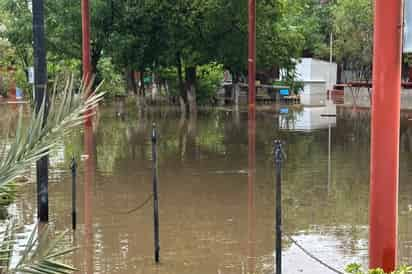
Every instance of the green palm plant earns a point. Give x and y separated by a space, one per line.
41 254
54 119
65 111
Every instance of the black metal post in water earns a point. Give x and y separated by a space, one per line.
155 196
40 84
278 170
73 167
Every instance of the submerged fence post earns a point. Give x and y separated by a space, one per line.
278 170
73 167
155 196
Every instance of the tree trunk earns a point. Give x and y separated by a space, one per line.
129 80
133 81
182 95
142 91
191 88
95 58
141 95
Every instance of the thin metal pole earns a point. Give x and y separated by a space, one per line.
383 210
155 196
73 167
252 54
40 83
278 167
87 70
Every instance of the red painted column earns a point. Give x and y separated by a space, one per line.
251 262
385 134
87 71
252 54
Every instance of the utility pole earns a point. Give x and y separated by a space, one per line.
252 136
40 83
387 60
87 70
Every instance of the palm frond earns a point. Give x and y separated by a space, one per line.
6 246
54 119
40 254
65 111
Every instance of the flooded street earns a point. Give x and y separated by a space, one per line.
214 218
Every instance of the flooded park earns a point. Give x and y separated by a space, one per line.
213 218
199 137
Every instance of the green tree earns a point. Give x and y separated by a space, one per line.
353 27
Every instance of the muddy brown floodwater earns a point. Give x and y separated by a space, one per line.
213 218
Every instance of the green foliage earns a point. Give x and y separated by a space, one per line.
8 193
353 27
66 110
4 84
42 253
114 83
22 82
158 35
37 140
210 78
357 269
7 53
290 81
169 74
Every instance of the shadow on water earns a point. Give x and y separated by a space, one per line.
216 191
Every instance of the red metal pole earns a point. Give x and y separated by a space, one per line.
385 134
252 54
87 71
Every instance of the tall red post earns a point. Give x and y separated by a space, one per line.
385 134
252 54
87 71
252 137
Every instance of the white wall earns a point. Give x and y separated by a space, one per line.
303 69
318 76
313 70
408 27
